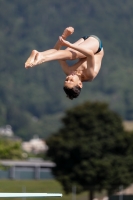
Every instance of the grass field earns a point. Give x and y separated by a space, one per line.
47 186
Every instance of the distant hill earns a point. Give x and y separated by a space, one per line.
32 101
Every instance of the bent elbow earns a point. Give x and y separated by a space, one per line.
92 76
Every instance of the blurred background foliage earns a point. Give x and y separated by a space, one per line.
92 150
32 101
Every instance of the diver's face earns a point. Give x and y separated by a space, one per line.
72 80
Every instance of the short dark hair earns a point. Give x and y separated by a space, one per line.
72 92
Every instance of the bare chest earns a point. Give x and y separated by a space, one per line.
82 70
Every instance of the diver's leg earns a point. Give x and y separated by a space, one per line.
32 59
38 57
59 55
87 47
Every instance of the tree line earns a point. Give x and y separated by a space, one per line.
26 95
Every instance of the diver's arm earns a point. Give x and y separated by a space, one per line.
65 67
69 69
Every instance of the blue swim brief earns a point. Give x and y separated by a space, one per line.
100 42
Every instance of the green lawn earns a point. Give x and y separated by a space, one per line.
42 186
47 186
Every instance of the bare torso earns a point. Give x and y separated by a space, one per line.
81 66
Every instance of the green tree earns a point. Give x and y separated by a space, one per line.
10 149
91 150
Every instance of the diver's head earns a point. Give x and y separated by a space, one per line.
72 86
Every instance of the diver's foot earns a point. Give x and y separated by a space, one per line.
30 61
68 31
39 59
